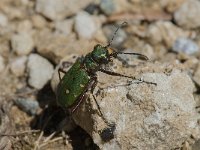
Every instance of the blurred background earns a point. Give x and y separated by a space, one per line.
35 35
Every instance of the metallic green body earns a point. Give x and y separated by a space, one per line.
72 85
82 76
75 82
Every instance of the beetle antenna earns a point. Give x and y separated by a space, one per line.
114 54
110 42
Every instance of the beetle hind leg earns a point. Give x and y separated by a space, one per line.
93 85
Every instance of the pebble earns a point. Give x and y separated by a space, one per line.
40 71
64 27
2 64
29 106
22 43
57 46
185 45
25 26
107 6
85 25
52 9
38 21
60 9
3 20
92 8
166 32
188 14
18 66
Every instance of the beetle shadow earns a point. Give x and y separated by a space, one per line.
52 116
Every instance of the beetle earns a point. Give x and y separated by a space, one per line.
82 76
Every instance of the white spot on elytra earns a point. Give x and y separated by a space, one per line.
67 91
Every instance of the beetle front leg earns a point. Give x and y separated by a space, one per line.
65 64
121 75
59 71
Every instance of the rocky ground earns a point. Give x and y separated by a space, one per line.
157 110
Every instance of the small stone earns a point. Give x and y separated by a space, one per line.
29 106
185 45
57 46
187 15
60 9
22 43
52 9
107 6
170 5
64 27
40 71
18 66
165 32
3 20
92 8
38 21
85 25
24 26
2 64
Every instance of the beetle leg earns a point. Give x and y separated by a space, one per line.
93 85
114 73
61 70
121 75
81 99
66 64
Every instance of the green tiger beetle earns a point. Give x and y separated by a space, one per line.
82 76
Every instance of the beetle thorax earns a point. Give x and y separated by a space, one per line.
90 65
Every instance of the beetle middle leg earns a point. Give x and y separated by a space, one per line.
59 71
65 64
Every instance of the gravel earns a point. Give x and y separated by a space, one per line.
40 71
187 15
22 43
18 66
185 45
85 25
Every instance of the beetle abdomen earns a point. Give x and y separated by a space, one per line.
72 85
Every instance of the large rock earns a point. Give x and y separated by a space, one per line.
143 116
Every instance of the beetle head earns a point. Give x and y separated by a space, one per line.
100 54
